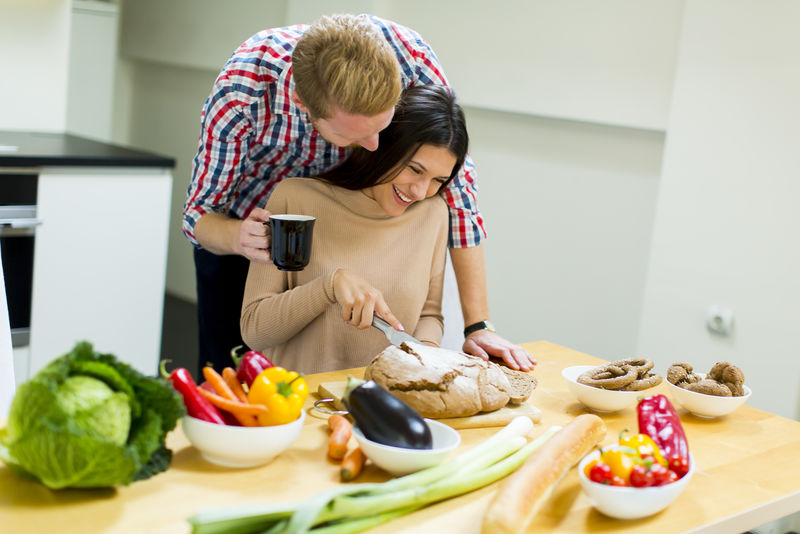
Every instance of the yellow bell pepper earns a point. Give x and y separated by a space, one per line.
621 461
643 444
282 392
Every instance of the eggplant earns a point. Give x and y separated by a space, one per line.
385 419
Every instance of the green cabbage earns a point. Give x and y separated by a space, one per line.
88 420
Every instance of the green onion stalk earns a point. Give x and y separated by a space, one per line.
357 507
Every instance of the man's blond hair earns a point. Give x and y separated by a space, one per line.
344 61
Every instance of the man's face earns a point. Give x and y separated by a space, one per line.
347 130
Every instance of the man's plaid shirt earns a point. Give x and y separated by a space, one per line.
253 136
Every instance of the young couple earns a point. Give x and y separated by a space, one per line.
292 102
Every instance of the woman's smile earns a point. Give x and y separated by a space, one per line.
403 199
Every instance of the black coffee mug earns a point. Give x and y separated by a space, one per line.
291 241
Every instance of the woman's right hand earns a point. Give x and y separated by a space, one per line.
359 301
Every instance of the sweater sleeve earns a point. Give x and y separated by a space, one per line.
430 327
271 312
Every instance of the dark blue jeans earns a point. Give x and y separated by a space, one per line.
220 289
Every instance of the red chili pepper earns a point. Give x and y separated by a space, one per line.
659 420
196 405
249 365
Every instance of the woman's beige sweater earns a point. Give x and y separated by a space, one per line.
293 317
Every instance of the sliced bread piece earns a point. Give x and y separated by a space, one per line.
522 385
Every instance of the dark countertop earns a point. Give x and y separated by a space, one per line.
36 149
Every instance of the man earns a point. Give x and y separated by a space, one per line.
292 102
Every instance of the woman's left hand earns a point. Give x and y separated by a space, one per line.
359 300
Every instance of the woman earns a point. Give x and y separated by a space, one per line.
380 239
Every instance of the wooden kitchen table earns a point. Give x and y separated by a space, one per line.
748 474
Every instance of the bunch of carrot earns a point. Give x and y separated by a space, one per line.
227 394
353 459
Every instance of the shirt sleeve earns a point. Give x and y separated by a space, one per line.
272 313
466 223
216 168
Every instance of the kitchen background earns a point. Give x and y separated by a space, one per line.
638 161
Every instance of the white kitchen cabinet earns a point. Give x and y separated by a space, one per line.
100 263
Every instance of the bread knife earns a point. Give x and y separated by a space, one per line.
395 337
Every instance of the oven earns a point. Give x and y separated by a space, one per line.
18 224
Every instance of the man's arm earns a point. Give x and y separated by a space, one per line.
470 269
221 234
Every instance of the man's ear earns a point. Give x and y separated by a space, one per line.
299 103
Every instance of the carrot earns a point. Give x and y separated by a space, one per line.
218 383
340 434
235 407
352 464
206 386
229 374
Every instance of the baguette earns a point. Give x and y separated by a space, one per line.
515 503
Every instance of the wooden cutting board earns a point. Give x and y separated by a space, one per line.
501 417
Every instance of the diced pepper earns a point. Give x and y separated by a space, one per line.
282 392
643 444
621 460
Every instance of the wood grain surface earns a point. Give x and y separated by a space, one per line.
748 475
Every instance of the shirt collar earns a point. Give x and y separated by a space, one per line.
283 104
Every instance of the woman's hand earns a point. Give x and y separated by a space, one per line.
359 301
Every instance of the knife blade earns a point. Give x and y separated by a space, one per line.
395 337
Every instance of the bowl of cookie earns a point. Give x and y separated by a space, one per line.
613 386
713 394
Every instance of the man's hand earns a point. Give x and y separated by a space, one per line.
359 301
255 237
484 343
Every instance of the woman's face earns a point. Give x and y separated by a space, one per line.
419 179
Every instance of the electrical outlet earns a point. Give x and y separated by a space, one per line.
719 320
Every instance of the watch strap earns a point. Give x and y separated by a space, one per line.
480 325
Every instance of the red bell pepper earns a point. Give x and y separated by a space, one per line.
659 420
249 365
196 405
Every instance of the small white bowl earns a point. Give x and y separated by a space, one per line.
598 399
239 446
628 502
709 406
401 461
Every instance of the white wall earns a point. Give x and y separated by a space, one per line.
727 219
92 63
610 62
34 46
569 210
522 158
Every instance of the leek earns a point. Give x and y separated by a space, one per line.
355 507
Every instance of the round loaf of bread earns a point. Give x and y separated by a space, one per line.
438 382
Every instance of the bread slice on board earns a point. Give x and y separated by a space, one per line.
522 385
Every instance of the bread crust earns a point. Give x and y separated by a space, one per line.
440 383
515 503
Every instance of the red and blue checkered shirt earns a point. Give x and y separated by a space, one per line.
253 135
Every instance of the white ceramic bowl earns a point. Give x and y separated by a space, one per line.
598 399
239 446
628 502
703 405
401 461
